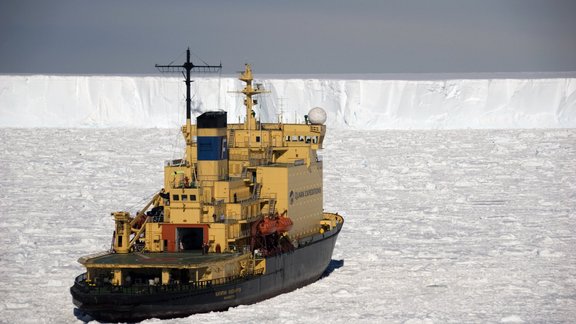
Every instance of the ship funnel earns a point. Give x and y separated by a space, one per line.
212 146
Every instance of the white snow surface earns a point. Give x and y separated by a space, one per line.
158 102
441 226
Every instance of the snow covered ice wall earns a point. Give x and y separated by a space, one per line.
139 101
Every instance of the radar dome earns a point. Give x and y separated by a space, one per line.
317 116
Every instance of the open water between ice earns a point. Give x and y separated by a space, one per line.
441 226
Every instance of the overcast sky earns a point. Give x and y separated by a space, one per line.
323 36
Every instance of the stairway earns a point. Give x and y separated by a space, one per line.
257 190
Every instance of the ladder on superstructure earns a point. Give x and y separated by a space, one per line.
271 206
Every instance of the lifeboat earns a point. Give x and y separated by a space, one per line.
284 224
267 226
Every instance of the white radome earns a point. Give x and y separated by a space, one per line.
317 116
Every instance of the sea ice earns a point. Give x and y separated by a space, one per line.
412 252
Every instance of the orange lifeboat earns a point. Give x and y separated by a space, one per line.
284 224
267 226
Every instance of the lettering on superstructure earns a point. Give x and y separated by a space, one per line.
305 193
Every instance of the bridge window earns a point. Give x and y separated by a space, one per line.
176 197
257 139
184 197
192 197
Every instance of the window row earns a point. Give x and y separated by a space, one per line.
183 197
307 139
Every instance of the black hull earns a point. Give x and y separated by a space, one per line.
284 273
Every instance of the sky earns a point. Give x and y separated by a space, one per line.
288 37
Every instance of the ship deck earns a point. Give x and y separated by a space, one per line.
181 260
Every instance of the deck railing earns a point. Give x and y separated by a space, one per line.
144 289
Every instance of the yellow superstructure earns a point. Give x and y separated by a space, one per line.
262 169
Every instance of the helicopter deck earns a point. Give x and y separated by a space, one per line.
182 260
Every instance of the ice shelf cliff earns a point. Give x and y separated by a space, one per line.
141 101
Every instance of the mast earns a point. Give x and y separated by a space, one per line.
249 91
186 69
